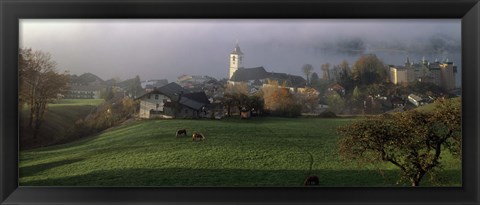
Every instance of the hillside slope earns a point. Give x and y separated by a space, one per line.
59 120
256 152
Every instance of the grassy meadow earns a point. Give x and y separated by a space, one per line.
254 152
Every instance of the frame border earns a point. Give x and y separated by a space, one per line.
13 10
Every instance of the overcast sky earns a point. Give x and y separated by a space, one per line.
158 49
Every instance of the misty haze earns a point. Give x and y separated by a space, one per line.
167 49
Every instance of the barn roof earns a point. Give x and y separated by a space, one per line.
191 103
194 100
171 90
198 96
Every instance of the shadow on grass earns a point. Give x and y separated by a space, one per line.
238 177
34 169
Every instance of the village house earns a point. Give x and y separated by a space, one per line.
172 101
337 88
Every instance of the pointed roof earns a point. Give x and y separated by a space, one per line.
237 50
194 100
171 90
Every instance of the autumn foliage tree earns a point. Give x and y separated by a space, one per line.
39 84
413 141
309 99
368 69
280 101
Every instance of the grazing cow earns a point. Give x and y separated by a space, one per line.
198 136
181 132
311 181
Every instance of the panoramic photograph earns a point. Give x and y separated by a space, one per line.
240 102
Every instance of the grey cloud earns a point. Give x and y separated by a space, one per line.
170 48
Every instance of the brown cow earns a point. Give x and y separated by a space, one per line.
311 181
198 136
181 132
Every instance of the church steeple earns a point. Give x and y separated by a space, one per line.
236 59
407 62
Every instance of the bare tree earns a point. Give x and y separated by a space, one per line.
307 70
40 84
326 71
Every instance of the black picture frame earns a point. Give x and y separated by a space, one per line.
13 10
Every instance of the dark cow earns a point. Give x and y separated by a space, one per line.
311 181
181 132
198 136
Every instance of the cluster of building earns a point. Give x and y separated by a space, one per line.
197 96
258 77
438 73
189 98
150 85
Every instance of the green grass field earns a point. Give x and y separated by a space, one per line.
255 152
77 102
59 119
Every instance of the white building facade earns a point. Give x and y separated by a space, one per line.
236 60
152 105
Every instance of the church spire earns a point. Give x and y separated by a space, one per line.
236 59
237 50
407 62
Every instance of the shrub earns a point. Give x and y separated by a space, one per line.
327 114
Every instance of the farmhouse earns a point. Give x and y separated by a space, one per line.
172 101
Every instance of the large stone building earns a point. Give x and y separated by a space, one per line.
438 73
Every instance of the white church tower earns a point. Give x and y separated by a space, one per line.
236 60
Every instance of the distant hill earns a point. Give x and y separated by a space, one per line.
110 82
126 83
86 79
122 84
